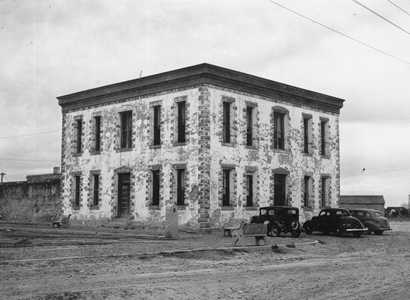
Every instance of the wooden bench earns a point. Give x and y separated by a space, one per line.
258 231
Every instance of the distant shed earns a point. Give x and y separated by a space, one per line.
362 201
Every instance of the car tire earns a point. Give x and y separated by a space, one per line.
296 233
357 234
275 230
378 232
307 227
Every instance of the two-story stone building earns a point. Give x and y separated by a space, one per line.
214 142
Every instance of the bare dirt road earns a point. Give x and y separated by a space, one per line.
371 267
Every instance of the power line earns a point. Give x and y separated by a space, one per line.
342 33
402 9
381 16
28 160
29 134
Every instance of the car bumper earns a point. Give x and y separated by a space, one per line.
356 229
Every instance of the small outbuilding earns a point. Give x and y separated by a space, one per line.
362 201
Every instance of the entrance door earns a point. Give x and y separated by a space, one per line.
123 194
279 189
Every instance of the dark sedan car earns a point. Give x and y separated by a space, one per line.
372 219
335 220
280 219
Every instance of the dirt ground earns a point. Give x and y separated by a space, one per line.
38 262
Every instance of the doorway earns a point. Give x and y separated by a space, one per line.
124 186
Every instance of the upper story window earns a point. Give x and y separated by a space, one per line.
156 141
307 134
279 130
79 133
249 125
324 136
126 129
97 133
226 122
226 187
181 123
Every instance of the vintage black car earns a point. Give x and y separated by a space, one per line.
280 219
373 219
335 220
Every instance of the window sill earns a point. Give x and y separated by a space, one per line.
77 154
309 154
227 208
155 146
154 207
76 208
228 144
95 152
253 147
177 144
325 156
182 206
251 208
281 151
95 207
125 150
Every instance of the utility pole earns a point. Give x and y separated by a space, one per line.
2 174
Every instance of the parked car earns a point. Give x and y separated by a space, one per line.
373 219
280 219
335 220
398 211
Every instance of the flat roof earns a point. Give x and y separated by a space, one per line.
198 75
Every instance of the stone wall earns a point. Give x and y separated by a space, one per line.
203 156
34 200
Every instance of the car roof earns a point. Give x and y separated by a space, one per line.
365 209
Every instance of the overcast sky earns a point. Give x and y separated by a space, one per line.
51 48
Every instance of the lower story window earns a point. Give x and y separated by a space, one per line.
249 188
155 187
226 197
77 181
180 186
96 189
324 191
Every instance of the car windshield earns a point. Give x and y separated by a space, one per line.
271 212
292 212
341 213
263 211
378 214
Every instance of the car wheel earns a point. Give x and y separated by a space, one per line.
295 233
275 230
378 232
307 227
357 234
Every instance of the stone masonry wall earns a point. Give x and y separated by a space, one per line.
139 161
204 155
266 160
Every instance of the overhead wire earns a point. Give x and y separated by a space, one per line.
399 7
29 134
380 51
381 16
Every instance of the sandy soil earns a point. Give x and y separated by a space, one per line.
44 263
